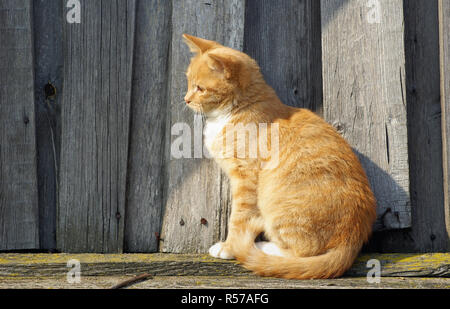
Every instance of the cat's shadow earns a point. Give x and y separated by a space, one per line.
393 202
388 194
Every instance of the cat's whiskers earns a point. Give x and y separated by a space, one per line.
199 112
185 107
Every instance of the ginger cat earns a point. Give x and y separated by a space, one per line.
312 200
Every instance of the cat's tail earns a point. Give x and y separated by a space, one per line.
332 264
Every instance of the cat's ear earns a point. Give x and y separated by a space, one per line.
231 67
198 45
223 64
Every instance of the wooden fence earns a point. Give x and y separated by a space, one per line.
87 108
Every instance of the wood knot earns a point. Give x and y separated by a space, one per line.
339 126
203 221
50 91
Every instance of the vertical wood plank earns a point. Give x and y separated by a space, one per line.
48 21
428 231
364 95
424 125
148 125
284 38
19 216
444 30
95 125
195 188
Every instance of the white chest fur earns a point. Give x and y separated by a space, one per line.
214 125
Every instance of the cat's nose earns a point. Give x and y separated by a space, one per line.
187 101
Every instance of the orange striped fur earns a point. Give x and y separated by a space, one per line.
315 205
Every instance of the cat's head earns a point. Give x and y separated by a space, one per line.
216 76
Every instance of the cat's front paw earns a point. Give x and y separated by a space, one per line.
220 251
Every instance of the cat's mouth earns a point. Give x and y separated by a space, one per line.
208 108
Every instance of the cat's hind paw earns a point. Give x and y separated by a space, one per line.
269 248
220 251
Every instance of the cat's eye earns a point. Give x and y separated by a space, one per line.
200 89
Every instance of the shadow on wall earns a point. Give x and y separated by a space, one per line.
428 230
423 167
387 188
334 6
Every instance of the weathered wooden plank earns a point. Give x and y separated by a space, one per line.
404 265
364 95
284 38
444 30
148 126
195 188
19 216
428 231
48 21
95 125
55 265
223 285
